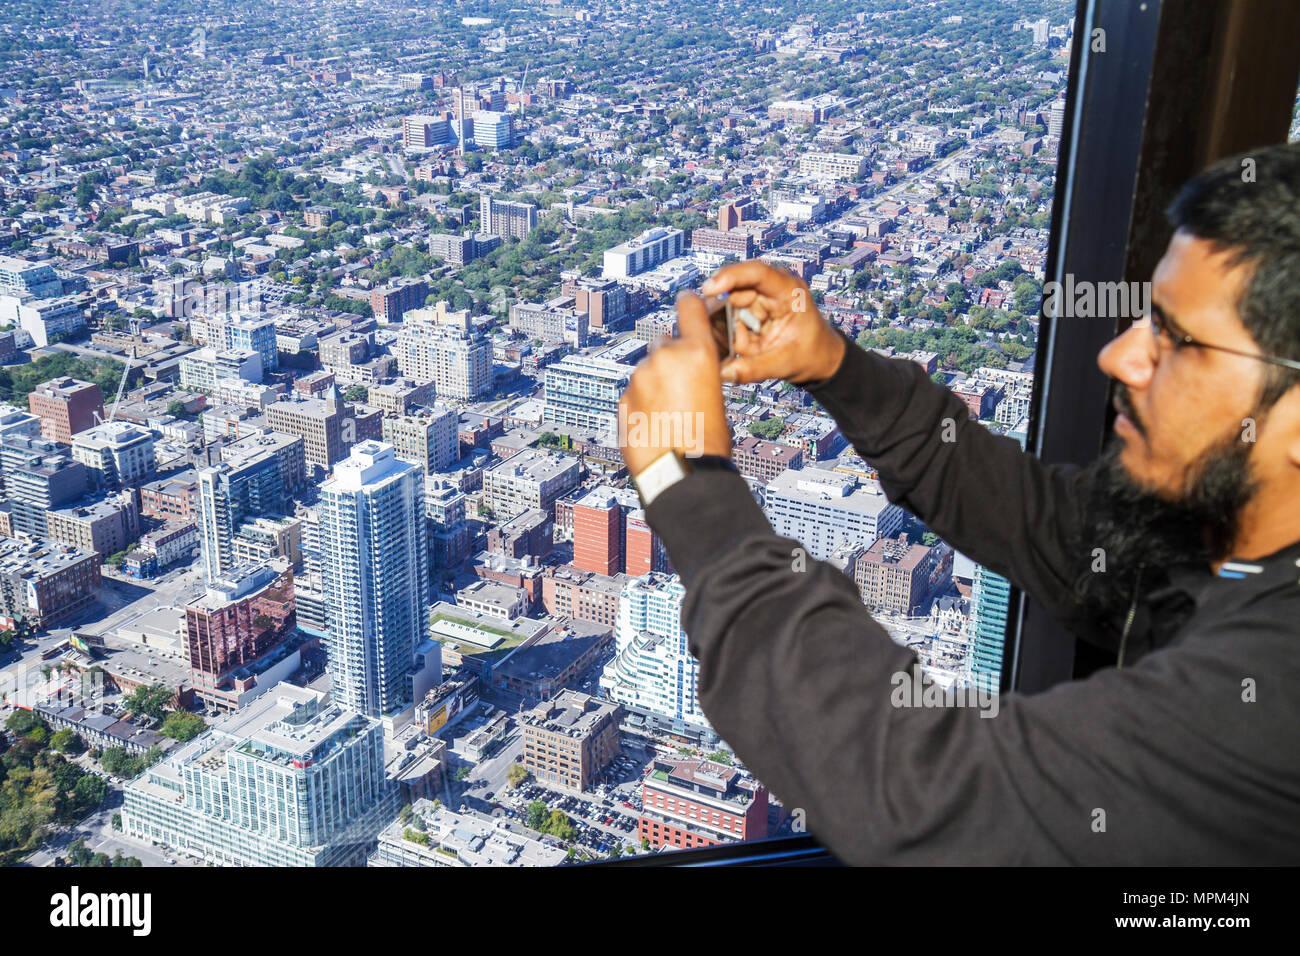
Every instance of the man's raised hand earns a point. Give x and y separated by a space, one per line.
794 343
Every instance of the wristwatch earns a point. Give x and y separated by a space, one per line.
670 468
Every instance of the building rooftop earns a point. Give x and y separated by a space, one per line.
469 840
111 435
63 387
554 652
236 584
898 552
816 485
534 464
243 451
371 463
490 592
570 713
32 559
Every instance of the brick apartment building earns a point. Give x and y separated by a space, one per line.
65 406
582 595
171 499
568 740
390 302
692 802
897 576
764 460
44 583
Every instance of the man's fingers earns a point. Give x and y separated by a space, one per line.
745 340
754 274
742 369
741 298
693 319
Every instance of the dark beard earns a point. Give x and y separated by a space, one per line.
1139 529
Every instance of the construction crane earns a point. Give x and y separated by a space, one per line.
121 386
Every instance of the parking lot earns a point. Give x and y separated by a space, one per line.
605 817
601 821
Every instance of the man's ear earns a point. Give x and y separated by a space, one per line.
1285 416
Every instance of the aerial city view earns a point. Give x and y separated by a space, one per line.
317 547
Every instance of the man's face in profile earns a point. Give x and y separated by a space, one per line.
1182 407
1178 471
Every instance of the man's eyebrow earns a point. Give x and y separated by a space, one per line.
1167 320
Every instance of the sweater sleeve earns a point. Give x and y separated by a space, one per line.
1158 763
980 492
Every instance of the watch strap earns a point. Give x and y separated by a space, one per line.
660 475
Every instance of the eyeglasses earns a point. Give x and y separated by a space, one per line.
1160 325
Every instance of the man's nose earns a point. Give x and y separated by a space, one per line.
1128 357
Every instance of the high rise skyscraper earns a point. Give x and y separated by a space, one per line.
426 437
374 572
1056 119
498 217
991 599
653 670
236 489
493 131
438 345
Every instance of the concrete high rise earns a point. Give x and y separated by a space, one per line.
291 780
647 250
653 670
374 572
328 426
230 493
424 132
437 345
604 300
19 277
1056 119
493 130
118 454
826 511
226 332
36 476
583 392
449 535
500 218
427 438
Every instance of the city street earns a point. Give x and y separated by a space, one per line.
97 830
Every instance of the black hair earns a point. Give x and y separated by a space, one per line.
1249 207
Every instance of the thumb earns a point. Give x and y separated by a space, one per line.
693 319
740 370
